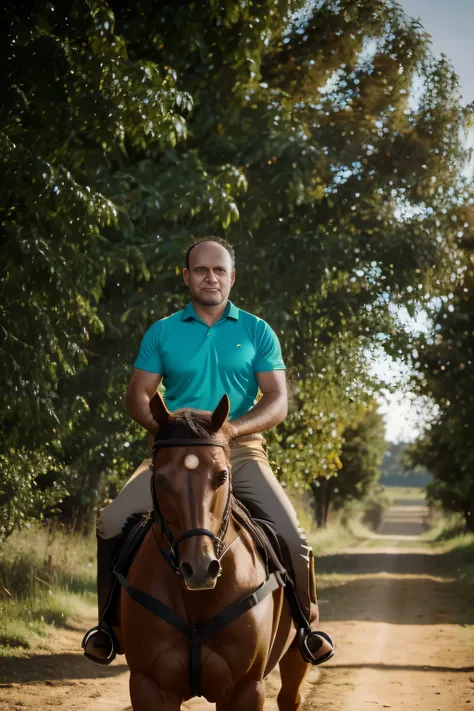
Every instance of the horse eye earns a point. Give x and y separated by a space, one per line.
162 482
221 478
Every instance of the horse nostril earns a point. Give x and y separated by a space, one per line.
186 569
214 569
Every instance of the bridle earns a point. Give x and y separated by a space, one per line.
172 556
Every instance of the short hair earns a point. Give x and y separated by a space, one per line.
218 240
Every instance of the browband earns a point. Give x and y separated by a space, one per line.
158 443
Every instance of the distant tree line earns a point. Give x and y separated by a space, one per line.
398 470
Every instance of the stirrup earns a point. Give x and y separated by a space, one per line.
308 655
103 629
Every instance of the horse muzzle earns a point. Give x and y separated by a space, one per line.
202 574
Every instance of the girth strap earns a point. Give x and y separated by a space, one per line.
197 635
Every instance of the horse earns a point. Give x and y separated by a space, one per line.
197 563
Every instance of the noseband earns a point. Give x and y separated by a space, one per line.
172 556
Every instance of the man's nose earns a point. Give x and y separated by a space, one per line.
211 277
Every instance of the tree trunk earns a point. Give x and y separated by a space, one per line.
328 498
320 489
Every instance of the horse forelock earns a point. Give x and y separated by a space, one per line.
194 424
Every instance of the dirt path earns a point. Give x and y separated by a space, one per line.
404 635
404 628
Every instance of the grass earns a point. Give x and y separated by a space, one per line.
46 576
343 530
449 535
333 539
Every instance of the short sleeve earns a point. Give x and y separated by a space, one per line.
268 356
149 356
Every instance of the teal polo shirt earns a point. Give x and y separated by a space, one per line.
199 363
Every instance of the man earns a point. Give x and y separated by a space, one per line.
210 348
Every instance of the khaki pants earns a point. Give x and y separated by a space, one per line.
253 483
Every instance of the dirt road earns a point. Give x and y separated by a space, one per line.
404 632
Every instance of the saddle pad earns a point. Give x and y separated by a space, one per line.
134 531
265 537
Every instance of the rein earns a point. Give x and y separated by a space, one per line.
172 556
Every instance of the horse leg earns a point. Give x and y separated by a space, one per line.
292 671
248 695
146 695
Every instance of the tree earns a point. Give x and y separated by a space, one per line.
350 180
445 374
130 128
73 104
360 463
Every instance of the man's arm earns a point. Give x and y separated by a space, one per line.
270 410
141 388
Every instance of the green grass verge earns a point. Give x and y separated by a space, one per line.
458 546
46 576
333 539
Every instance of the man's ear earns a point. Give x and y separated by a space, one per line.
185 273
159 410
232 277
220 414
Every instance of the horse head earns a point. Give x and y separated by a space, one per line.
192 488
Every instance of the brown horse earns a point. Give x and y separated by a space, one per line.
195 535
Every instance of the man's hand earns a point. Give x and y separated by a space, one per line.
234 432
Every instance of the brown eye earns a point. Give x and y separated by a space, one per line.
221 478
161 482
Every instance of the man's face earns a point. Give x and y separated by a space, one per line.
210 276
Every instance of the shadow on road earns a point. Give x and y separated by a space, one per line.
397 601
402 667
395 587
51 668
368 563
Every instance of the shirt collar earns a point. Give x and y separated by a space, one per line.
231 311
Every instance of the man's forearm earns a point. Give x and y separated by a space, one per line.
269 411
138 407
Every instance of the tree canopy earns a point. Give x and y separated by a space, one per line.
445 374
324 141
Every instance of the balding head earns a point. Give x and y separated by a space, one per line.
210 272
217 240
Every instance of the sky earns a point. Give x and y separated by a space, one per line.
451 26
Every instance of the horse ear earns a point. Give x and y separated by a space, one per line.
159 410
220 414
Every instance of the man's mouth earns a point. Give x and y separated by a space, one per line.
210 289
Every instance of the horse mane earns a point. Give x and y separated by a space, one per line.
194 424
